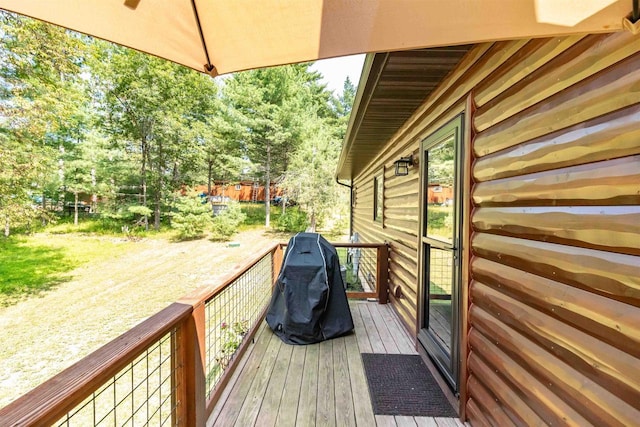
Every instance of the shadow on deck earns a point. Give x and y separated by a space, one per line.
322 384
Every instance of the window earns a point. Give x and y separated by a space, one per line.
378 197
238 187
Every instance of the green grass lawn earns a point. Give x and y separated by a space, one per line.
32 264
27 267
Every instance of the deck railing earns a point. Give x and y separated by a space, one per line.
171 369
365 269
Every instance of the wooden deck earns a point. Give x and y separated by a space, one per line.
316 385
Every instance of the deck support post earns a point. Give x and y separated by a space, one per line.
191 393
382 274
277 263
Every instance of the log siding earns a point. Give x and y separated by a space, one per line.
553 282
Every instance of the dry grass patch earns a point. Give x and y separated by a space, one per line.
104 298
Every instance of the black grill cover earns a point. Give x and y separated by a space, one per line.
309 302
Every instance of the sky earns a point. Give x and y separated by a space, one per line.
336 70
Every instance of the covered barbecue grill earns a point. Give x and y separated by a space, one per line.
309 302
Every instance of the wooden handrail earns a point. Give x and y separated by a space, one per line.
358 245
351 245
206 293
382 269
52 399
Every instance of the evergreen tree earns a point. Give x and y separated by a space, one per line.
42 93
273 104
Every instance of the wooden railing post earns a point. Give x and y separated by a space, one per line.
277 262
382 274
191 393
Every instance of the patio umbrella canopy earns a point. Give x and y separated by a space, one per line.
218 37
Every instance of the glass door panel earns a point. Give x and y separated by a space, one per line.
440 248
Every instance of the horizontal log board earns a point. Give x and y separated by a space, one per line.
609 274
600 94
408 216
613 368
580 61
597 404
613 182
475 413
531 57
610 321
504 410
518 381
606 137
404 264
404 279
612 228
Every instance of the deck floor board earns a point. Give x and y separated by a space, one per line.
363 339
273 396
343 395
287 412
233 404
260 381
320 384
326 408
383 329
309 390
377 346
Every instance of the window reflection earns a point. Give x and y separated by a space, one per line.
440 280
440 191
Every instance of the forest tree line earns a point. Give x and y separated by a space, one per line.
80 116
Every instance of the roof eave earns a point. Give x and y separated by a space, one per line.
366 86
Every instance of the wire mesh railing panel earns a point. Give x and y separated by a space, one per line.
440 273
232 313
141 394
440 267
359 268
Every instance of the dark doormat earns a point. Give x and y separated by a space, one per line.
401 384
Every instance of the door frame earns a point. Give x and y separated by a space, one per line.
451 372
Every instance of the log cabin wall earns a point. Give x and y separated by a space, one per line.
555 291
554 244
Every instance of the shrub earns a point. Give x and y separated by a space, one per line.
226 223
140 210
435 219
340 225
294 220
192 218
254 213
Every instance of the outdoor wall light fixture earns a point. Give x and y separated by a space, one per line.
403 164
